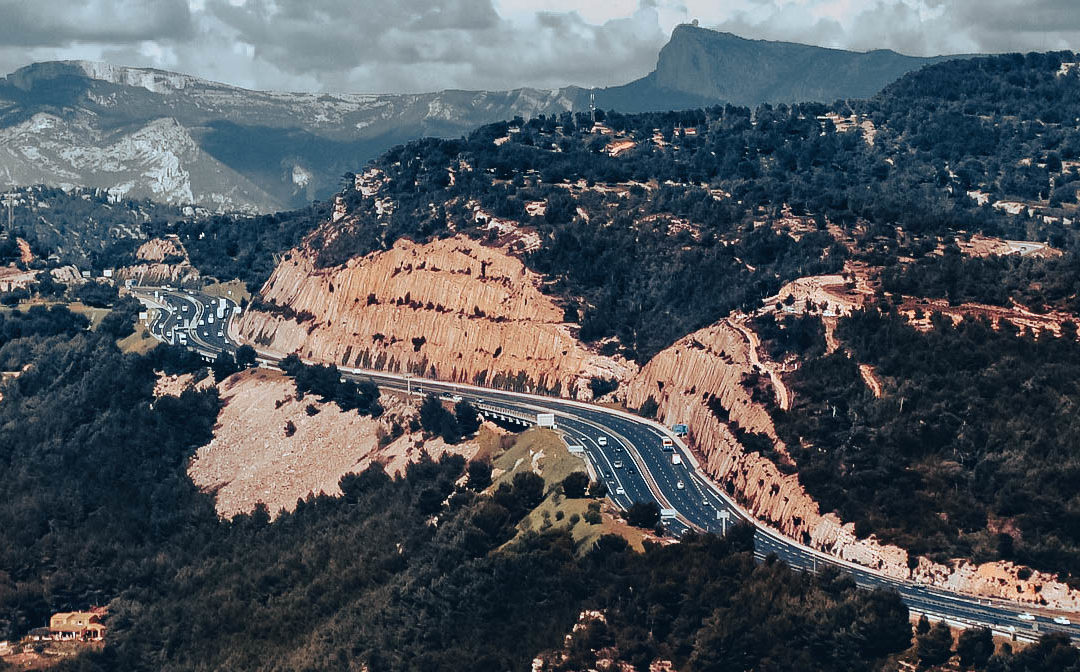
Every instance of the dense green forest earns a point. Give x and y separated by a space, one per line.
1032 282
971 452
397 574
689 235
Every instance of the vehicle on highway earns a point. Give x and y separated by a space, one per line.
676 459
618 464
631 471
620 490
1026 617
602 441
680 485
667 444
1061 620
607 474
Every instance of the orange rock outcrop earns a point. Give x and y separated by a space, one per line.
453 308
698 381
161 261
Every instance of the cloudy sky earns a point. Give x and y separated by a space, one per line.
423 45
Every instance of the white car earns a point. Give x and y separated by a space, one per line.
618 464
1061 620
1026 617
680 485
620 490
602 441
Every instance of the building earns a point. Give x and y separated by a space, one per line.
83 626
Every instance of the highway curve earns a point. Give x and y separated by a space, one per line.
645 472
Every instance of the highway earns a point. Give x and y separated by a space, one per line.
633 464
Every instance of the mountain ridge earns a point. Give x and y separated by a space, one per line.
73 123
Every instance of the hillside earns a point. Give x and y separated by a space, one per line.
701 67
682 243
142 133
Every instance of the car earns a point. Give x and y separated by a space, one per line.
618 464
1061 620
602 441
705 502
631 471
680 485
1026 617
620 490
607 474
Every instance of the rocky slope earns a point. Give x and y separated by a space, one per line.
453 307
700 381
159 261
143 133
253 457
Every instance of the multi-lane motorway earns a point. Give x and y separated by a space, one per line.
628 454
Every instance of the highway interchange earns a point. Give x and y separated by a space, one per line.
633 464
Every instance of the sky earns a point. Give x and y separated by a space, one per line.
400 46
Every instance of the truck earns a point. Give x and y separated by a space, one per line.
667 444
676 459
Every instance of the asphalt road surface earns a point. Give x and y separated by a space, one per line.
627 454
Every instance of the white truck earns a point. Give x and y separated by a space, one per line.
676 459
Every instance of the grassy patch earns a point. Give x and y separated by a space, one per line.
91 313
548 452
140 342
233 289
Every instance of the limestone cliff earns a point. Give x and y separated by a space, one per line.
452 308
706 380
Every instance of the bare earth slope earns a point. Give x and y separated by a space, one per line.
452 308
253 459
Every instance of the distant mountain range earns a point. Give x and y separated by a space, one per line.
144 133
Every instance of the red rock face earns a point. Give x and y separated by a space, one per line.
467 312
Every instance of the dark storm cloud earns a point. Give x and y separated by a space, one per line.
57 23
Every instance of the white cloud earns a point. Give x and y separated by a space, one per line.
419 45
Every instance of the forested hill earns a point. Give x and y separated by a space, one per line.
660 223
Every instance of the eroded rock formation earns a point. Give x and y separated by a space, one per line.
160 261
451 308
699 381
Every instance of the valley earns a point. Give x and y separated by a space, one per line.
585 387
